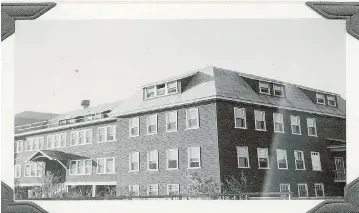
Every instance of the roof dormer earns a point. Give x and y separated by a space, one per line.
162 89
271 88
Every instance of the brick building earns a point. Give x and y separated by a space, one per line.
213 122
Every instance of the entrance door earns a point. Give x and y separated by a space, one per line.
339 163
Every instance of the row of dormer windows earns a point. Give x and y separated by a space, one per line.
161 90
330 99
265 88
240 120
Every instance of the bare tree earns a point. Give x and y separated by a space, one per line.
232 185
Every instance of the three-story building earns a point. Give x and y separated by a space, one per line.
214 122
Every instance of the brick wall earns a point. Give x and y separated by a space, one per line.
269 179
205 137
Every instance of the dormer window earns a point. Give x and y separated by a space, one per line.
150 92
264 88
88 117
72 120
320 98
331 100
278 90
161 89
172 87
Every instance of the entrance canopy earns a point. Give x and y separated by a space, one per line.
60 157
336 145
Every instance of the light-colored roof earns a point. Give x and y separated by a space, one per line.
35 115
212 82
87 111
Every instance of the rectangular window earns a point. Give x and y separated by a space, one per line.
299 160
331 100
192 118
33 144
295 124
74 138
134 124
34 169
106 134
88 136
152 160
315 156
18 146
105 165
172 158
81 167
161 89
260 120
152 124
240 118
194 157
243 157
29 143
50 141
302 190
40 144
17 171
282 159
81 139
284 187
263 159
171 121
134 159
172 189
319 189
150 92
278 122
134 190
152 190
172 87
312 127
320 98
264 88
278 90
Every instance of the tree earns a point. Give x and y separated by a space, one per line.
202 185
51 186
232 185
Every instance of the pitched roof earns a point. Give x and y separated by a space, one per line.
35 115
212 82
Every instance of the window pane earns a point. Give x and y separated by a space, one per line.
172 87
150 92
101 166
110 133
88 166
172 158
81 137
101 135
110 165
161 89
80 167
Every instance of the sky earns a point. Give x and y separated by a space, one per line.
58 63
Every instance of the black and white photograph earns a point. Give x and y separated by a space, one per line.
180 109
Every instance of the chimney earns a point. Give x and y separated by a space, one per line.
85 103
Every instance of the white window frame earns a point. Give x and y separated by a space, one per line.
284 184
84 167
105 165
187 121
295 160
106 133
315 127
53 136
167 155
148 160
154 92
17 169
19 146
37 164
77 138
261 83
176 185
320 162
148 124
167 88
244 118
167 120
246 147
291 125
137 187
35 141
130 126
317 98
255 120
259 167
282 122
281 89
306 188
315 189
333 98
149 186
286 158
131 161
188 158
